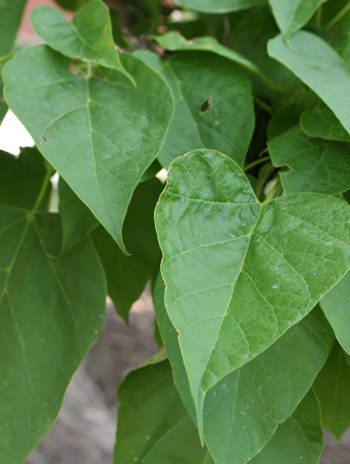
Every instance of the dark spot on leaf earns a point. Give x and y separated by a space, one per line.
205 106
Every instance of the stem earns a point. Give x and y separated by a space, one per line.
263 105
272 192
256 162
338 16
318 17
89 70
261 185
43 189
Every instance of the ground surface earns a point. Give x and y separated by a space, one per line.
85 430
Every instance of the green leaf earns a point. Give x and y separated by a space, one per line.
21 178
174 41
88 37
209 93
319 66
292 15
153 425
51 310
332 387
219 6
127 276
299 439
321 122
11 12
337 310
100 133
316 165
77 220
72 5
242 411
239 273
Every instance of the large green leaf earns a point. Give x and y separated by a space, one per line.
88 37
10 19
299 439
332 387
239 273
242 411
316 165
153 425
209 94
219 6
99 132
321 122
51 310
291 15
128 275
336 306
319 66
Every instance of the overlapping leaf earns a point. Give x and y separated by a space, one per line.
332 387
100 132
299 439
242 411
10 19
292 15
239 273
321 122
51 310
213 105
316 165
219 6
336 306
319 66
87 37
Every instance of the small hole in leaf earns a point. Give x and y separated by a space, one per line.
204 107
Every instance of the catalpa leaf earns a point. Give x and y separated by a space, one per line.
219 6
209 95
321 122
337 310
11 12
87 37
332 387
51 309
99 132
292 15
239 273
127 276
319 66
316 165
153 425
242 411
299 439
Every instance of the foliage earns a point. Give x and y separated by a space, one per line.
250 117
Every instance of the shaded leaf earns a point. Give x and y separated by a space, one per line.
51 310
100 133
238 273
87 37
332 387
219 6
127 276
292 15
321 122
242 411
319 66
316 165
11 12
299 439
153 425
336 306
213 105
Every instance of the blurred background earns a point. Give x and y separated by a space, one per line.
85 430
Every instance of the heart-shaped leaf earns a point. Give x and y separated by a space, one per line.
87 37
239 273
99 132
